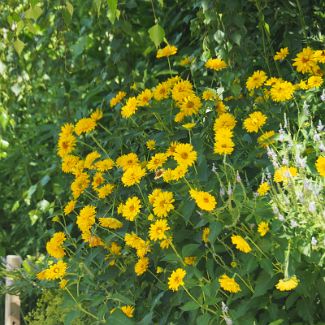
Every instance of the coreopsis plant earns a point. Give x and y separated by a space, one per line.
180 210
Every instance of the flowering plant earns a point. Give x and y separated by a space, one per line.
172 188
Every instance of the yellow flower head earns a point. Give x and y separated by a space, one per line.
79 185
133 175
190 260
96 115
189 126
163 204
176 279
167 51
54 245
127 161
104 165
141 266
229 284
240 243
190 105
182 89
144 97
66 144
86 218
263 228
85 125
128 310
185 154
215 64
151 144
205 234
56 271
254 122
282 91
69 207
161 91
287 284
224 121
131 208
157 161
284 173
256 80
110 223
157 230
281 54
90 158
266 139
209 94
130 107
305 61
204 200
117 99
320 165
263 189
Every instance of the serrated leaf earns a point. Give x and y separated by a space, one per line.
118 318
19 46
157 34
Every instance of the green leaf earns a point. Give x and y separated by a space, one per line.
19 46
203 319
33 12
121 298
156 34
69 8
112 10
71 316
277 322
189 249
215 230
191 305
118 318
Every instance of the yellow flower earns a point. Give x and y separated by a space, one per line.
209 94
254 122
224 121
152 197
204 200
104 165
131 208
129 108
86 218
287 284
117 99
165 243
176 279
305 61
240 243
96 115
185 154
263 189
161 91
319 56
320 165
256 80
127 161
220 107
115 248
66 144
186 60
110 223
141 266
54 245
157 230
79 184
224 144
163 204
178 173
144 97
205 234
281 54
190 260
263 228
215 64
90 158
266 139
282 91
167 51
133 176
151 144
69 164
229 284
69 207
283 174
190 105
157 161
98 180
63 283
188 126
128 310
182 89
314 82
56 271
85 125
159 270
